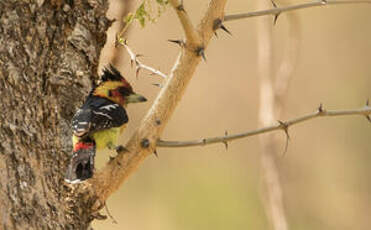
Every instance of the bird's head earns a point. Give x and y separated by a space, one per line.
114 87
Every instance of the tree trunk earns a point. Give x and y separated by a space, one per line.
49 52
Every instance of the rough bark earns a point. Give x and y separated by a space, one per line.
49 52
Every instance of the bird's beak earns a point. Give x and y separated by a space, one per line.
135 98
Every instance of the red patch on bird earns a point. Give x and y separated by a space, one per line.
116 94
83 145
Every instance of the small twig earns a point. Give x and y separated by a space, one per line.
138 64
366 111
278 10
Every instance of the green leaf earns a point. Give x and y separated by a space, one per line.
146 10
141 14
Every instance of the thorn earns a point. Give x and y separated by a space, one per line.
219 25
155 152
200 51
275 15
226 145
276 18
286 145
204 141
125 42
158 85
134 60
216 35
203 55
225 142
321 109
368 117
144 143
137 71
225 29
178 42
285 128
274 4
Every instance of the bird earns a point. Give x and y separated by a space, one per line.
98 122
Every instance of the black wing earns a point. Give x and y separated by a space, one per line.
96 114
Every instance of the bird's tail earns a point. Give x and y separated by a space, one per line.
81 165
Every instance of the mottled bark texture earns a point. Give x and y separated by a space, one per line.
49 51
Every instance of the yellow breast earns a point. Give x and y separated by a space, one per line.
106 138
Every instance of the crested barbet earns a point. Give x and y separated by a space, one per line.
98 122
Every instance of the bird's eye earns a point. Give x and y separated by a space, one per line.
124 91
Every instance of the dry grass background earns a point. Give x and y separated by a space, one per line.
326 171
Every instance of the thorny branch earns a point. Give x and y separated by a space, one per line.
278 10
138 64
281 125
143 141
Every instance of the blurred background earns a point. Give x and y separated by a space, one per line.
325 173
